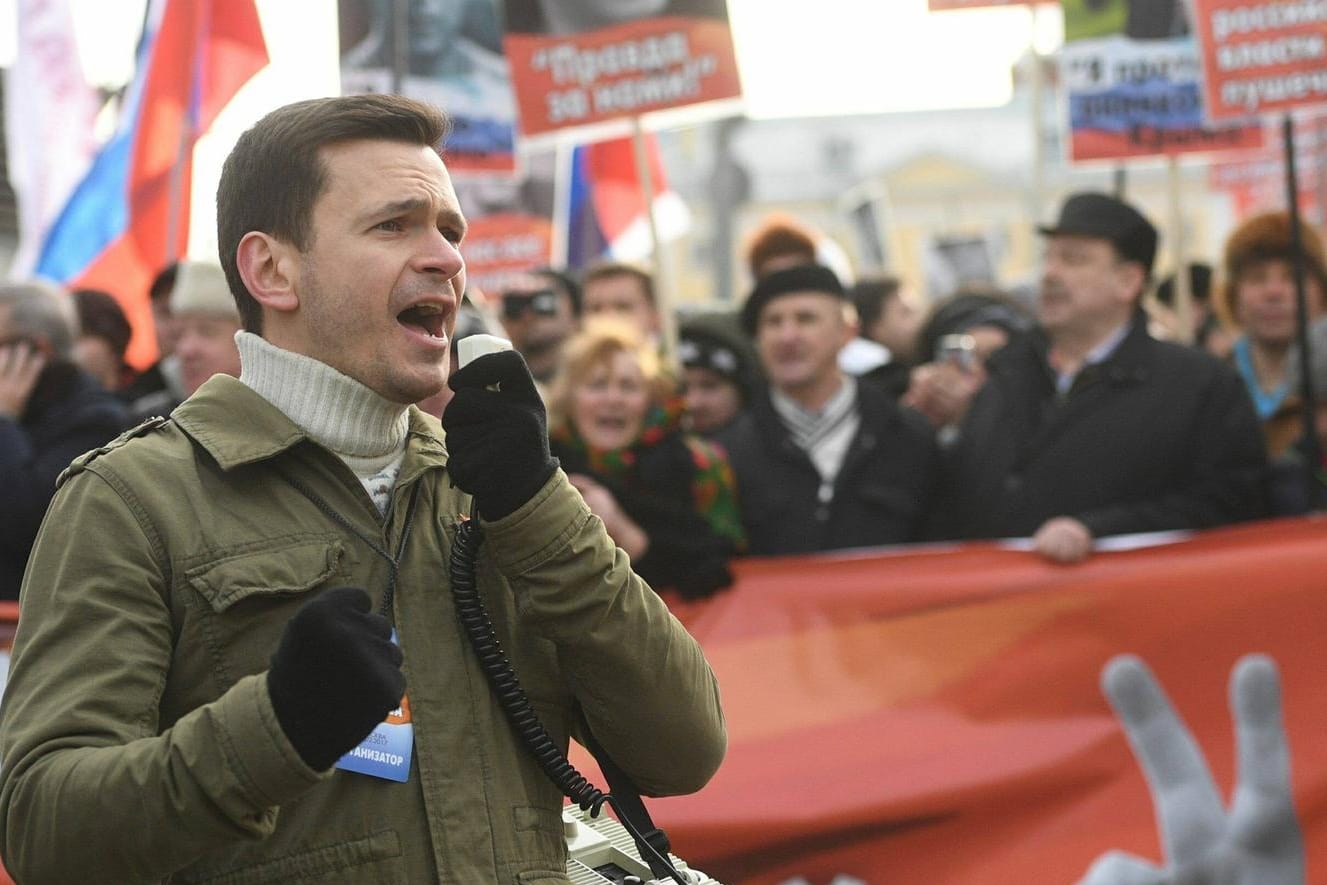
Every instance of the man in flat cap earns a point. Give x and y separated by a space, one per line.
822 462
1091 427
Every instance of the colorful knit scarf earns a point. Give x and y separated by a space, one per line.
712 483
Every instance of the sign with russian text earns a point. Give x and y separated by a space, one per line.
1262 57
1257 182
500 246
1133 78
574 64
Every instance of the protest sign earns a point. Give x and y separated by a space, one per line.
504 244
1262 57
590 62
1132 74
1257 181
452 58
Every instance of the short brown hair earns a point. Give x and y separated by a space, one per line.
276 173
604 270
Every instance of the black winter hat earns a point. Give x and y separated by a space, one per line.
803 278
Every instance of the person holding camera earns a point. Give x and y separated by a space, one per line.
1088 426
238 655
51 411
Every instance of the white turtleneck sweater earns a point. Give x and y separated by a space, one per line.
360 427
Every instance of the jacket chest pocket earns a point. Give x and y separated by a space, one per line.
240 602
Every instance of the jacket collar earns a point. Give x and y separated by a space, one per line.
1130 362
237 426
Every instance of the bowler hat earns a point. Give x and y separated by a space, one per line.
1101 215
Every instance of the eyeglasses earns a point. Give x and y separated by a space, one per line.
542 302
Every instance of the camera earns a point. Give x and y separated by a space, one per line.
961 350
542 302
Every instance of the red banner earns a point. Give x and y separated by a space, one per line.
620 71
1261 57
934 716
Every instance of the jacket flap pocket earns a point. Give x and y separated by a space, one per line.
287 566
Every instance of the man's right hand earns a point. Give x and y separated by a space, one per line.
335 675
943 392
20 367
1257 840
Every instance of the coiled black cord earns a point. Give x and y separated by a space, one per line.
515 703
472 614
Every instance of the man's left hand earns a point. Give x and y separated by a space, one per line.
1063 539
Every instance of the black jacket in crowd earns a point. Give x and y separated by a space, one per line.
1158 436
881 493
67 415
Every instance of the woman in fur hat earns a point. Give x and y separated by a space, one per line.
1259 297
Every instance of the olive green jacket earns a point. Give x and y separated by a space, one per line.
137 735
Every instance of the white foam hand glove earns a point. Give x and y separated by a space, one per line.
1257 840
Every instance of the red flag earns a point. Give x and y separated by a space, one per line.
202 52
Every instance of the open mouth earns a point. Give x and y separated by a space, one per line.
428 318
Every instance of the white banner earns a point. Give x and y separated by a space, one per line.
50 111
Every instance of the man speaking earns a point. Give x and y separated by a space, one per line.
223 607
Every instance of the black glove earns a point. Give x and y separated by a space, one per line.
497 440
335 675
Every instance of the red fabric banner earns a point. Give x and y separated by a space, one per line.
934 716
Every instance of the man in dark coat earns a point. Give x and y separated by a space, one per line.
821 461
1090 426
50 413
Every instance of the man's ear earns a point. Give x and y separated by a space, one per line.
1134 278
268 268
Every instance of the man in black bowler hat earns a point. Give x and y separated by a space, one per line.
1091 427
822 462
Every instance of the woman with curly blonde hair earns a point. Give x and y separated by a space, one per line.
665 496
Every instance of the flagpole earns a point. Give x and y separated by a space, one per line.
1308 400
1179 257
663 288
184 145
560 240
1035 83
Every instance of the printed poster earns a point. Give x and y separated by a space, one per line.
1133 81
1262 57
590 61
452 58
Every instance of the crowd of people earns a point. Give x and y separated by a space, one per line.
821 414
845 414
191 671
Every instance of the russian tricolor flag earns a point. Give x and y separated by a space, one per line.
607 209
129 217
